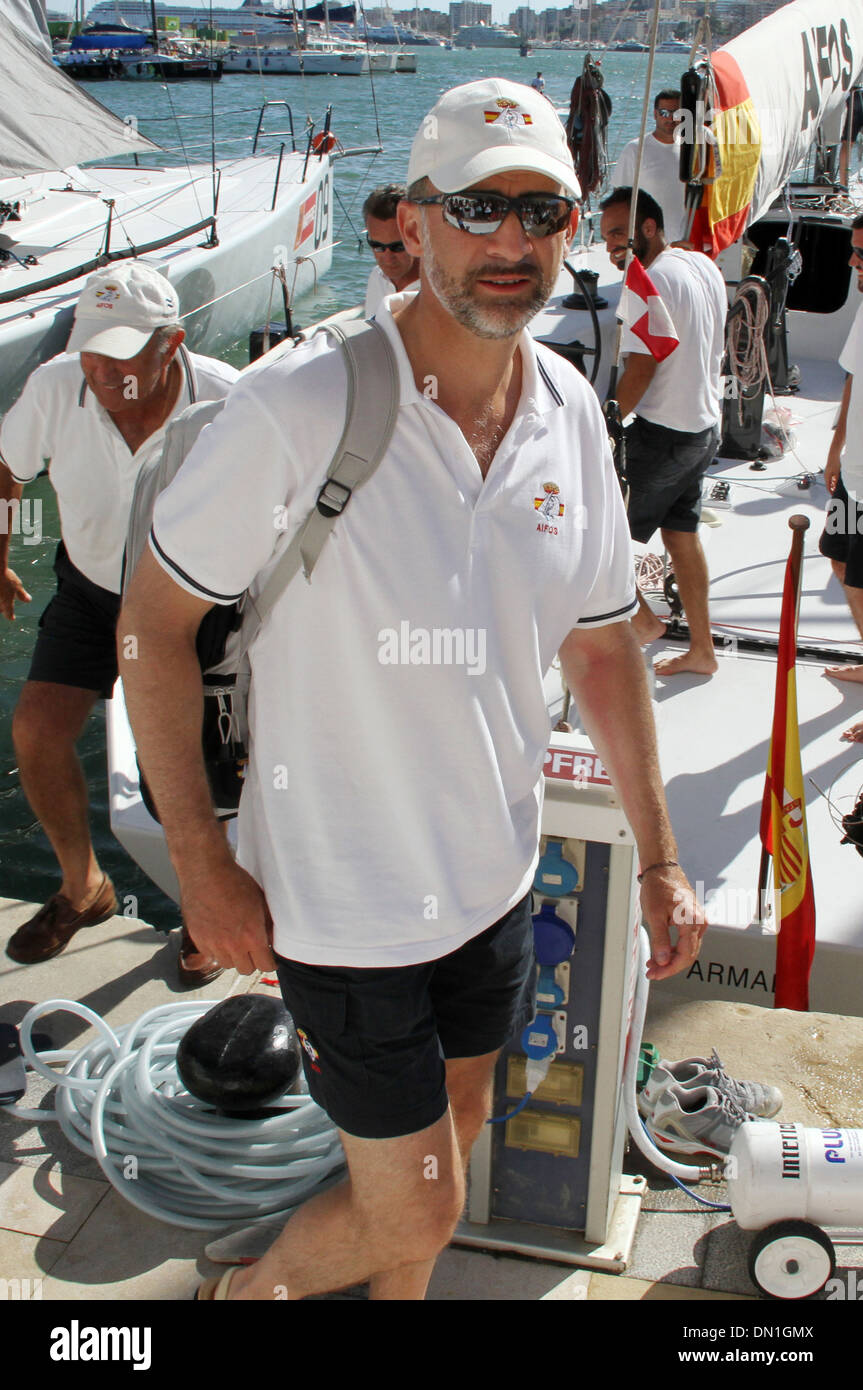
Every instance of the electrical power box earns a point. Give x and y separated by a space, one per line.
549 1181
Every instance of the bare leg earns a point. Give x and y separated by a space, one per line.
47 724
403 1198
855 603
646 625
469 1085
693 581
398 1207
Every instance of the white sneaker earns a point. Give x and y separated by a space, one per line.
696 1120
754 1097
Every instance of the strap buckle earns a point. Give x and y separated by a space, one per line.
333 498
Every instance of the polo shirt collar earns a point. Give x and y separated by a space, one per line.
539 394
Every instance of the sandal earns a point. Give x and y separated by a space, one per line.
216 1288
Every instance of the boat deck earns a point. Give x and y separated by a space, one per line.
62 1223
714 733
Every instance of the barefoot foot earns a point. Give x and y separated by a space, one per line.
687 661
845 673
854 734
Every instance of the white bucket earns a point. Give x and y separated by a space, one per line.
778 1172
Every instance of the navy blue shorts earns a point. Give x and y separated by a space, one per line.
76 643
665 469
375 1041
842 537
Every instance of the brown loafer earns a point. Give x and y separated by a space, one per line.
193 967
51 930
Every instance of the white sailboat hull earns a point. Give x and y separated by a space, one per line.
224 289
308 62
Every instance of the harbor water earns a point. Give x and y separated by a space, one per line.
176 116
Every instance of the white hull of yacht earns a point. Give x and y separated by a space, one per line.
224 289
293 63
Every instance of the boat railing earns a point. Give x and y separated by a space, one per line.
261 134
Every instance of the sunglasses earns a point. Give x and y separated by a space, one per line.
394 246
540 214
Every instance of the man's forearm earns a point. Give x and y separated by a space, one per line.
838 441
637 376
614 704
164 697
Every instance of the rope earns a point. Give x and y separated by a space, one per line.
747 353
120 1100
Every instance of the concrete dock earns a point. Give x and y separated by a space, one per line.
63 1225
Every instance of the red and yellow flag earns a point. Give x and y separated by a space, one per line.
721 218
783 812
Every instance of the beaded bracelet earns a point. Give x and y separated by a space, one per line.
660 864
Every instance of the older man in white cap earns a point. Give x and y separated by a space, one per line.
388 876
93 416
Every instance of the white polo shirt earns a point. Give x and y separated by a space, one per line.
58 424
392 802
660 177
378 288
685 393
851 360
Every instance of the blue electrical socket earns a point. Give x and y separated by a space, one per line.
539 1038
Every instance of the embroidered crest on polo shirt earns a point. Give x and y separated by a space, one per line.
309 1048
550 506
509 114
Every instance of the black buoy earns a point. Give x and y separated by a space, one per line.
242 1055
272 334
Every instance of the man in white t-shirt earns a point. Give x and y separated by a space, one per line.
677 411
395 268
389 819
660 165
92 416
842 538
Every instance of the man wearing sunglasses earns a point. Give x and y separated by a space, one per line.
395 269
660 165
390 882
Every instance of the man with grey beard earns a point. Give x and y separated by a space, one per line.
389 821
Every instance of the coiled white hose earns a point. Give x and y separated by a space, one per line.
121 1100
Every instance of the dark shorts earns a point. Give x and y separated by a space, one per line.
76 642
841 538
375 1041
665 469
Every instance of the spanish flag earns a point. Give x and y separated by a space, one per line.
721 217
783 809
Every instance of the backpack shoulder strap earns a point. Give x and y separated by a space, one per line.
370 418
155 475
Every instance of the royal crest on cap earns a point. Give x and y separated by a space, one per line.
106 295
509 113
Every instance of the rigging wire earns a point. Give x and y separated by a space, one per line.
615 364
371 76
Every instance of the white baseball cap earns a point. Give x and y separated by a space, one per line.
490 127
120 308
